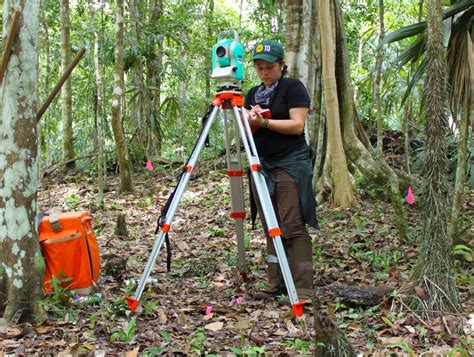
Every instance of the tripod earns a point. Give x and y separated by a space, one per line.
228 101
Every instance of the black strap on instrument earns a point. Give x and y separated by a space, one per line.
164 211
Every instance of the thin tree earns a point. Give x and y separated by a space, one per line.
117 95
210 38
154 67
101 162
19 279
46 138
66 94
342 195
143 111
378 77
434 269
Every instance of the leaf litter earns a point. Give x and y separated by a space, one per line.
359 247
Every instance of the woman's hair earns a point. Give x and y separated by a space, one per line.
284 70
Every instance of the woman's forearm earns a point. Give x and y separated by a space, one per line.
285 126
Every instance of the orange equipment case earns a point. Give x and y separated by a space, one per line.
70 250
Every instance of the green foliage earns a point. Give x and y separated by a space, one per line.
127 334
302 347
198 341
463 251
152 352
215 232
414 53
58 304
181 36
119 305
404 347
71 201
150 307
249 351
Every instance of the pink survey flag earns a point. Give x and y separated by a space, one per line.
410 196
149 166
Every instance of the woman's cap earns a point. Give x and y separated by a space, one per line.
268 50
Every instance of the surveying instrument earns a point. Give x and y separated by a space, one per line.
227 70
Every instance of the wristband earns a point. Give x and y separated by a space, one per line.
265 123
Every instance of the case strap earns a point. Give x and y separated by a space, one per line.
54 222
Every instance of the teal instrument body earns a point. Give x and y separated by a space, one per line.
228 61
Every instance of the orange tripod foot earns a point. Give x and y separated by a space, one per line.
132 304
298 308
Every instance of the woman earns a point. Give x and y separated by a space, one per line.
285 157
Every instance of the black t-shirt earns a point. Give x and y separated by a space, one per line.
290 93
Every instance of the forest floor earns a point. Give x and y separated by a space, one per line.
355 247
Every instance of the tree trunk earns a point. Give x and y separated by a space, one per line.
377 79
66 95
182 87
433 271
406 134
47 82
155 66
375 169
19 279
136 104
117 95
303 53
101 162
461 49
360 51
143 110
460 181
329 340
208 71
342 194
303 57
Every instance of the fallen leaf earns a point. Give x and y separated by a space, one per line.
271 314
292 330
88 346
420 292
183 246
14 332
331 310
410 328
243 324
387 321
215 326
280 332
390 340
43 329
208 316
162 317
133 353
256 314
183 319
65 353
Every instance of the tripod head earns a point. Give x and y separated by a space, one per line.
228 62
